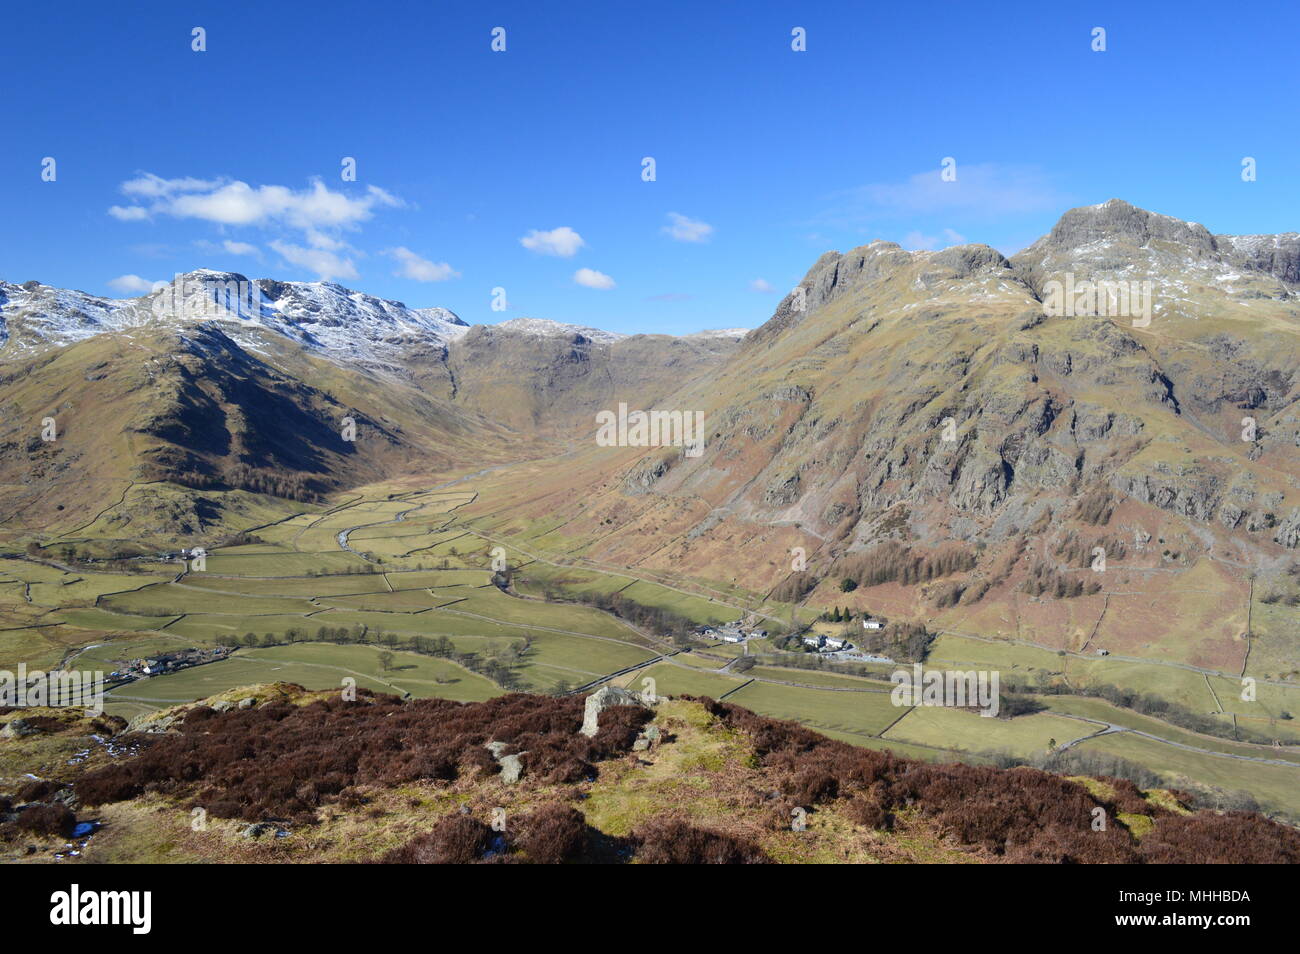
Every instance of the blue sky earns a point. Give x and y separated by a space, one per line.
169 159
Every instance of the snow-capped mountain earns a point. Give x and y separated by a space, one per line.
346 326
545 328
720 333
342 324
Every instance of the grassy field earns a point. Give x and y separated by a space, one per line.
859 713
1274 786
313 665
1103 711
964 731
428 575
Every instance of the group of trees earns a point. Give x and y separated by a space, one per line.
893 562
499 665
1044 578
795 587
1148 704
1076 552
660 621
903 641
1095 508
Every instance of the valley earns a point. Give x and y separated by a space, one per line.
911 463
418 568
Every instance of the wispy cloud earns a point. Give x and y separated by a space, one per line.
326 264
762 285
231 202
413 266
317 213
980 189
563 242
683 229
130 284
590 278
919 240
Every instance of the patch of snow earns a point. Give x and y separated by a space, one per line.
545 328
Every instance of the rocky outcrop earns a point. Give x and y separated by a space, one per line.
1288 531
604 698
18 729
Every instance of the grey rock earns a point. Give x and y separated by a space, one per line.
1288 531
18 728
602 699
512 768
248 703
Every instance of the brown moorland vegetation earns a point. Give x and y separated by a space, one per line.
285 761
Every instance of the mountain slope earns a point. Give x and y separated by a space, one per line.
217 383
829 430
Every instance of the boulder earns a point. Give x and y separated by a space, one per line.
512 768
147 723
647 739
602 699
18 728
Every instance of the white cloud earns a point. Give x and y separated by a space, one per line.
318 239
563 242
326 264
128 284
420 269
149 186
317 211
128 213
762 285
684 229
591 278
226 202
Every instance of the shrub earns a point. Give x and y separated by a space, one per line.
47 820
553 834
1235 838
455 840
664 841
282 760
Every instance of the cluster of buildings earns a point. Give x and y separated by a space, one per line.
826 644
835 643
733 632
169 662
